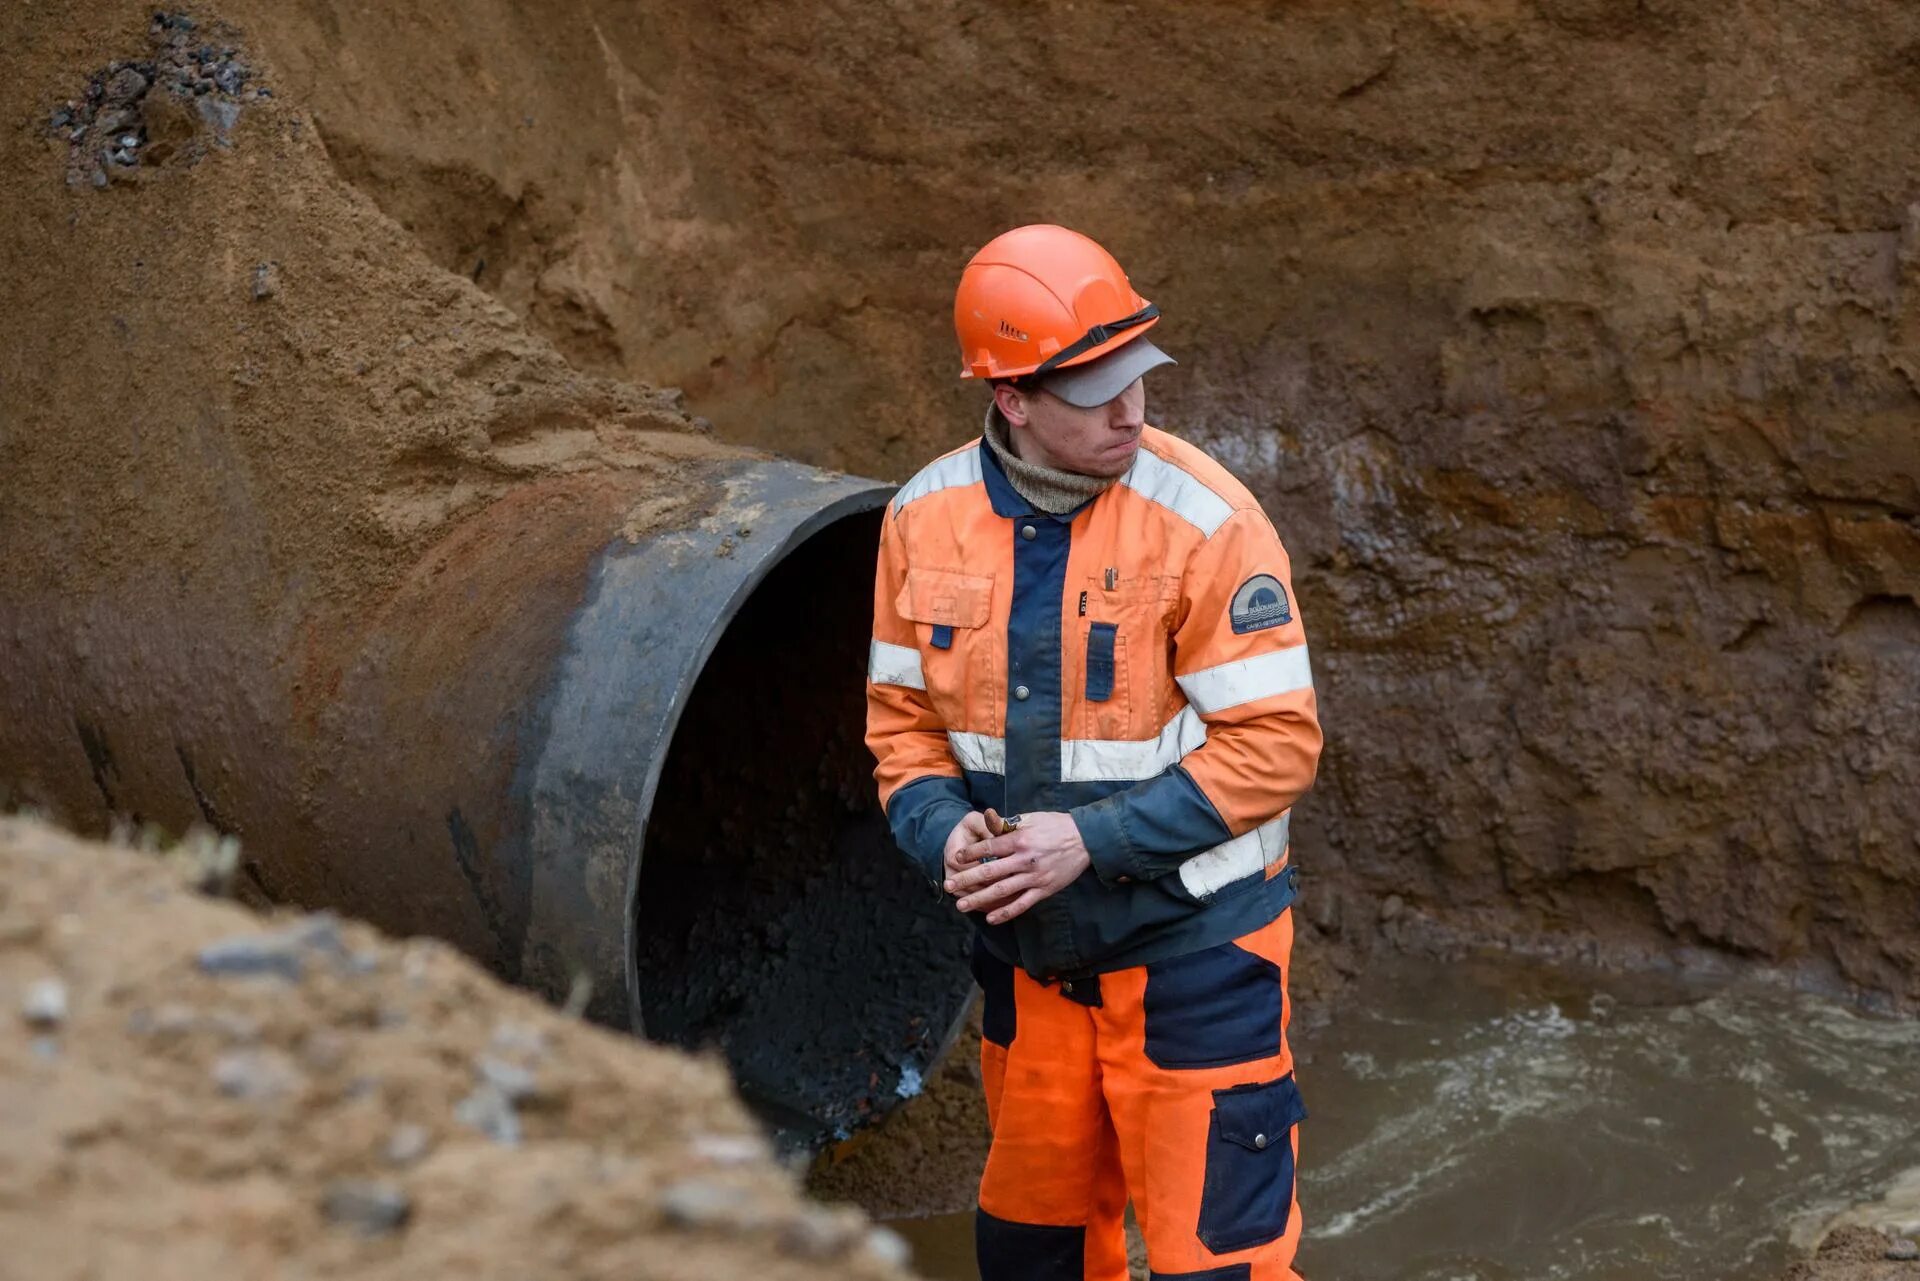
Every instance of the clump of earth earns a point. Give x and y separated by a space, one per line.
167 107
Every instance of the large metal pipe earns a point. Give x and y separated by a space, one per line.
573 742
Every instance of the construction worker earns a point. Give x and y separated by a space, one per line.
1088 627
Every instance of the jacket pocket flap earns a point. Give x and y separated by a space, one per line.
943 597
1256 1117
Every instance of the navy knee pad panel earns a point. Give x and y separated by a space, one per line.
1009 1251
1212 1008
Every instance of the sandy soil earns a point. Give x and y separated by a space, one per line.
191 1090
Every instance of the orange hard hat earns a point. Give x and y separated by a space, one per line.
1040 298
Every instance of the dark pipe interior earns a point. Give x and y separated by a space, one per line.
778 922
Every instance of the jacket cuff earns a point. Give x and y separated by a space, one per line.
923 815
1150 828
1103 831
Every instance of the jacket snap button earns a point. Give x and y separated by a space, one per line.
1260 1141
1020 692
1066 987
1029 533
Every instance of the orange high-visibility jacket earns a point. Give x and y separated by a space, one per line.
1138 663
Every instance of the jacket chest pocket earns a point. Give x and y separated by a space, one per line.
949 611
1123 633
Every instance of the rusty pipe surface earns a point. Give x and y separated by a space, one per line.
478 754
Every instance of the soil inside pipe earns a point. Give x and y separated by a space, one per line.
778 922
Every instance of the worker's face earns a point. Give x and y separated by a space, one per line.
1101 441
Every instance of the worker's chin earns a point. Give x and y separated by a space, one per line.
1114 462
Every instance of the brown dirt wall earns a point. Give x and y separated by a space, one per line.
289 513
1574 346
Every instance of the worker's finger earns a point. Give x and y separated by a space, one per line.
1019 905
992 896
993 847
986 874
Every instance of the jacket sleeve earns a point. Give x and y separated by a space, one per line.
920 784
1245 674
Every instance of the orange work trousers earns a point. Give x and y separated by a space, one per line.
1169 1085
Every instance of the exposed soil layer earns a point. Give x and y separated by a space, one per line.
298 525
191 1090
1575 348
291 515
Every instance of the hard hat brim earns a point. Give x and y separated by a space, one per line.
1098 381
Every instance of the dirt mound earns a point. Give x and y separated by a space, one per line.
191 1090
1859 1254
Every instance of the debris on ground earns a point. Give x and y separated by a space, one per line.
1856 1253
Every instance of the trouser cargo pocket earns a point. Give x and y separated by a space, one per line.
1248 1192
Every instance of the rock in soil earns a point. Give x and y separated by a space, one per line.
371 1208
45 1005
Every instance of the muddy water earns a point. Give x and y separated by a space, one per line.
1498 1121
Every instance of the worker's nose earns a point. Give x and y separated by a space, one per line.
1128 410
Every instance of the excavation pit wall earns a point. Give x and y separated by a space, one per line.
1574 359
1574 348
310 541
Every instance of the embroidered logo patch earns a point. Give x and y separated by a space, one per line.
1261 602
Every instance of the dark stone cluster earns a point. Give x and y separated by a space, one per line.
184 96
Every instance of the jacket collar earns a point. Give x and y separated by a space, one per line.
1007 500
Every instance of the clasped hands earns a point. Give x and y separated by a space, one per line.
1003 870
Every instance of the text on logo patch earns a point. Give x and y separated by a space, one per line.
1261 602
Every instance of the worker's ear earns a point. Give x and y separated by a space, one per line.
1012 402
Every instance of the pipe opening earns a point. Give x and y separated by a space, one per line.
778 922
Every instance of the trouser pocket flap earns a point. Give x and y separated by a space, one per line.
1247 1198
1256 1116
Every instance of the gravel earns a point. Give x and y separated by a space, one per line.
256 1076
490 1112
110 126
407 1144
45 1004
283 953
371 1207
